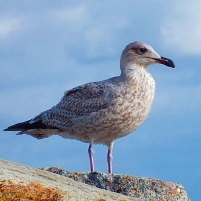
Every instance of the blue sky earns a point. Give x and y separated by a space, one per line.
48 47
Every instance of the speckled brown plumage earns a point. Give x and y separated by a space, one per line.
100 112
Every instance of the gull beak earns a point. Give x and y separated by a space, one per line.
165 61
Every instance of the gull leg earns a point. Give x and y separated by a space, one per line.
91 153
109 158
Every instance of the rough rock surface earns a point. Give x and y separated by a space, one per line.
147 189
21 183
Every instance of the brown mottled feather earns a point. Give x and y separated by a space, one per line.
101 112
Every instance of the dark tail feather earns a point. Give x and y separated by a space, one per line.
26 125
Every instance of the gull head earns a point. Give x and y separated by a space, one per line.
138 54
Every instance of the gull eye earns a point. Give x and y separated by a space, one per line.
143 50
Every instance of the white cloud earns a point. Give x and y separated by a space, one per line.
100 39
177 91
9 26
99 42
73 17
94 34
23 103
178 101
182 29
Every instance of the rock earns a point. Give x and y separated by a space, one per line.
147 189
18 182
21 183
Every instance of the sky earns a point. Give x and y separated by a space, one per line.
48 47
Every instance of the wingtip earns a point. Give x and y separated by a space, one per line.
11 129
20 133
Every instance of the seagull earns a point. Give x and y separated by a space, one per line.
100 112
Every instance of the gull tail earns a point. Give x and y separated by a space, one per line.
36 129
26 125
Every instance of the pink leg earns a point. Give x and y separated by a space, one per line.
109 158
91 153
